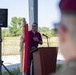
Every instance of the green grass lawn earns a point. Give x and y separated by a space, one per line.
58 67
14 72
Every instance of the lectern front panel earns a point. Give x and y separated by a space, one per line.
45 61
37 63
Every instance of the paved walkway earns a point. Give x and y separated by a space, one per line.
13 62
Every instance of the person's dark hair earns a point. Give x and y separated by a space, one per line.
35 23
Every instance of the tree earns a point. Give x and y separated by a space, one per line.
5 32
39 29
53 32
45 29
15 26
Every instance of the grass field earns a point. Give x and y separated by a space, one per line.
10 45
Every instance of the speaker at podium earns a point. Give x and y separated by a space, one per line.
44 60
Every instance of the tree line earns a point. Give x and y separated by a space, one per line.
15 29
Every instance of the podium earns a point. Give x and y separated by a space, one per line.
44 60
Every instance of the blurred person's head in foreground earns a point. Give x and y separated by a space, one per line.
67 29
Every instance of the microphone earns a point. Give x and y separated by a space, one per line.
45 35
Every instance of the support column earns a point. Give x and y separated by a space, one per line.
0 52
33 12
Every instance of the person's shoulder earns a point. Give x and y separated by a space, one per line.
38 32
30 32
69 68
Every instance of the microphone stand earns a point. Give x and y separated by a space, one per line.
47 42
47 39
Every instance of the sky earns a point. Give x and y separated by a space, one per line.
48 11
